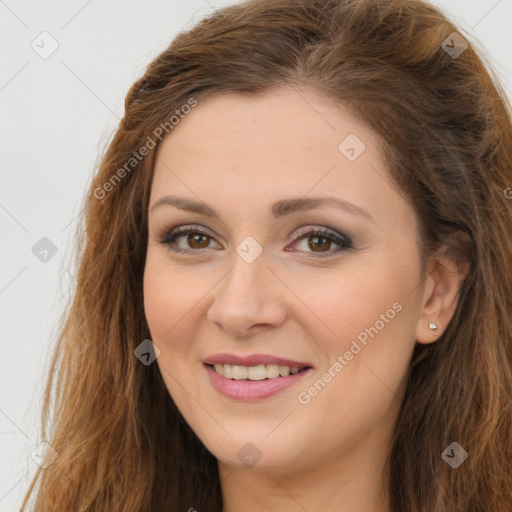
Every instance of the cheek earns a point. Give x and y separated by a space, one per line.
174 305
161 304
169 295
364 320
352 301
365 339
167 300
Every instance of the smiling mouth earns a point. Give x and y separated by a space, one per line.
258 372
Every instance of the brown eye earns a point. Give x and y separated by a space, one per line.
195 239
195 242
320 241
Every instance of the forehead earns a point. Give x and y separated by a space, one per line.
280 119
259 149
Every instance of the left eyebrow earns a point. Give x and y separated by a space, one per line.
279 209
288 206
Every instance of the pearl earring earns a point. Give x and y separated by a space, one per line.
432 326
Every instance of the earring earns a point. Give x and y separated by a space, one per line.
432 326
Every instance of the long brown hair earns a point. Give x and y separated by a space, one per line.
445 126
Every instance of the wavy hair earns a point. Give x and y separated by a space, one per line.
445 126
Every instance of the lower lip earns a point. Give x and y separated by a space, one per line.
252 390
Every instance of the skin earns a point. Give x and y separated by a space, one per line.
239 155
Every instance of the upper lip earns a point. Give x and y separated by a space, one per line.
253 360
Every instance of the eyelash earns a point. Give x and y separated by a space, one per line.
342 241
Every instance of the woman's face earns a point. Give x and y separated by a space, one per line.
279 278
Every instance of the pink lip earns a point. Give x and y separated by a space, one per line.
253 360
252 390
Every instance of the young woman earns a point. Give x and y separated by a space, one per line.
294 285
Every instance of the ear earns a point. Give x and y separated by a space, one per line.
441 296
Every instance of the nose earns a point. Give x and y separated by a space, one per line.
249 299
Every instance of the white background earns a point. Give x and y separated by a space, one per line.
57 114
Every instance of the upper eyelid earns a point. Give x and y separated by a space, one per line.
297 232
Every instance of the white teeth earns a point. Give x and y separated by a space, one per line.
239 372
284 371
272 371
258 372
227 372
